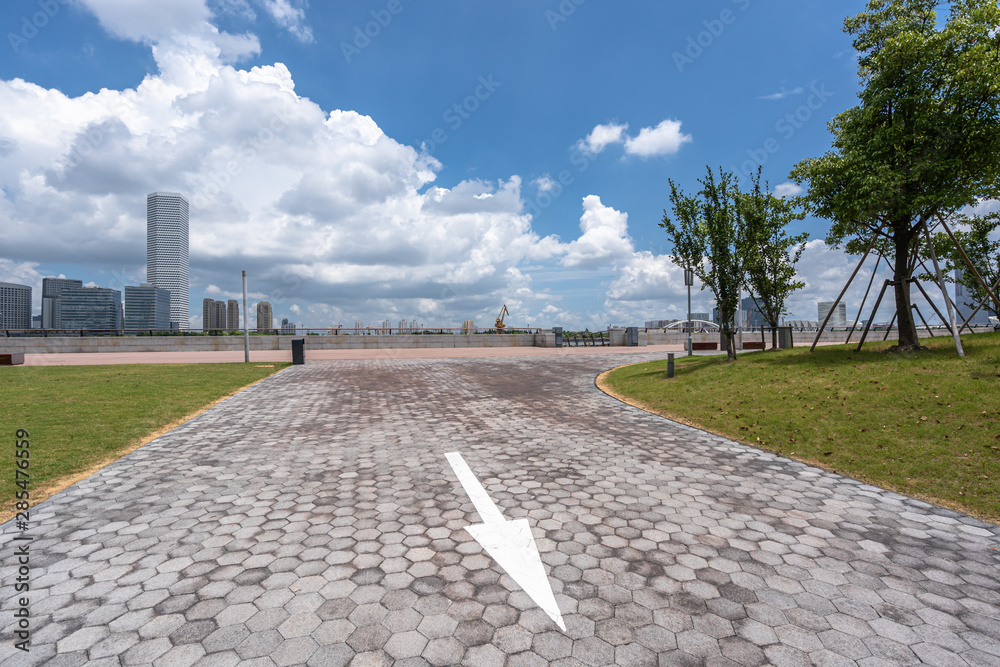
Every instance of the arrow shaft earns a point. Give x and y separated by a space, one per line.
488 511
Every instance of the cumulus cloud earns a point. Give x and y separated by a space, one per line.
664 139
545 183
179 31
601 137
320 207
604 239
788 189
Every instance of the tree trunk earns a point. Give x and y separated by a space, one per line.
908 339
774 335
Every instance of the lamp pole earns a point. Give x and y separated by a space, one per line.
246 325
689 281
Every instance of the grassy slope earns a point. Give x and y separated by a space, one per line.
82 416
926 424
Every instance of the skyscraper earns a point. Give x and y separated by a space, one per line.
265 316
52 289
147 307
98 308
233 315
167 251
15 306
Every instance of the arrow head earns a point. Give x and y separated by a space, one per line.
512 545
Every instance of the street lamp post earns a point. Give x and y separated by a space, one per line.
689 281
246 325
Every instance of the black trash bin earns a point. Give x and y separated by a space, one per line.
298 350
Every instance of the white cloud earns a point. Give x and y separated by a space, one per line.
601 137
788 189
290 16
664 139
605 236
319 207
174 28
545 183
782 94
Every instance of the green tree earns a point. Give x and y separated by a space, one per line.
769 254
705 234
925 138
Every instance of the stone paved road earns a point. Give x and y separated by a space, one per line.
313 519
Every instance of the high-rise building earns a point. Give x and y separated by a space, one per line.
167 251
233 315
15 306
839 317
359 326
52 289
147 307
964 303
265 316
208 314
213 315
97 308
287 327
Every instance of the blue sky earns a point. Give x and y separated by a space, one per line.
454 157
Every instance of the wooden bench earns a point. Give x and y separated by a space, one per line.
704 346
753 345
11 358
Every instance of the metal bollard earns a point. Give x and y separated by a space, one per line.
670 364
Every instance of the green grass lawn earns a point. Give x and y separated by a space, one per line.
79 417
925 424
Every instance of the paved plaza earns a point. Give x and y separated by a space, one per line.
318 519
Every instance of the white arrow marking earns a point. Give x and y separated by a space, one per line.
510 543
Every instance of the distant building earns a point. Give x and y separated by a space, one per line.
386 326
469 327
96 308
801 324
287 327
659 324
52 289
233 315
358 326
36 321
147 307
265 316
167 251
752 316
839 317
701 316
964 303
15 306
213 315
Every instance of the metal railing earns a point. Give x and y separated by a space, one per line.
287 331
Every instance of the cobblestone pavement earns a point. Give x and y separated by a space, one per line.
313 519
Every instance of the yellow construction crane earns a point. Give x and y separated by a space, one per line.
503 313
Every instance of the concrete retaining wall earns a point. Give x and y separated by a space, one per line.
546 338
235 343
